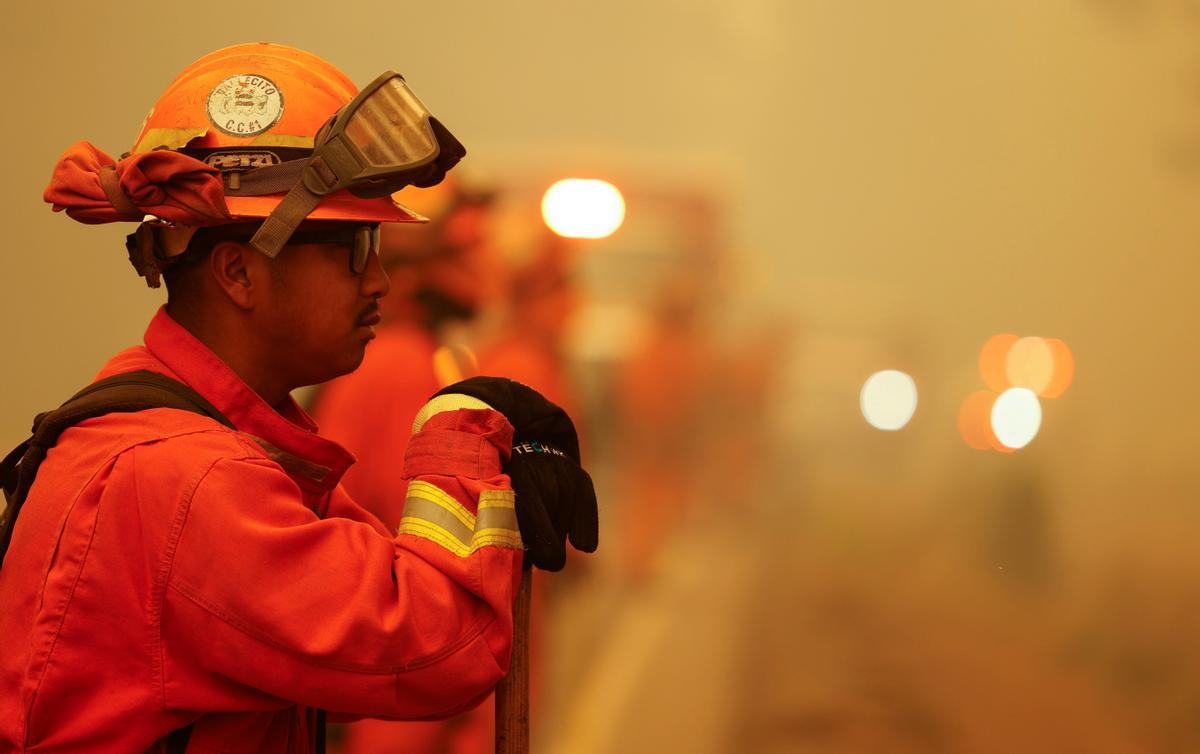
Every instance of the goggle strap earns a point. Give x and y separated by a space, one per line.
279 226
273 179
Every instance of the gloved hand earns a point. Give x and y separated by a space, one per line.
555 498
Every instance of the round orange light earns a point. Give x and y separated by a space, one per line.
993 361
975 421
1064 369
1029 364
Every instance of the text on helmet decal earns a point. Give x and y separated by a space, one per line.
245 104
245 160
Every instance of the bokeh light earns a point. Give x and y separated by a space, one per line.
1016 417
888 399
975 421
1030 364
1044 365
993 361
1064 369
583 208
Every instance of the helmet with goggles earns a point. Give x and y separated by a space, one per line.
259 133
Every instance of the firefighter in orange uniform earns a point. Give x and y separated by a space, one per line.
179 581
665 390
540 303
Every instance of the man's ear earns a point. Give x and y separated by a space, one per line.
235 270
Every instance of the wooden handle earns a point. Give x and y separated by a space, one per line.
512 693
452 364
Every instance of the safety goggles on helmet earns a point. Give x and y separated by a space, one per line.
378 143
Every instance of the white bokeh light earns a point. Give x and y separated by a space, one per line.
1016 417
583 208
888 399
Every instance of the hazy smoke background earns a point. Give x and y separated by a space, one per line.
816 191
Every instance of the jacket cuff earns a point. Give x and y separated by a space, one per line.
462 442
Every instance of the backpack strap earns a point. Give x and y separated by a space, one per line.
121 393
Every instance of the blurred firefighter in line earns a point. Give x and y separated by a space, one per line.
692 403
487 273
444 276
525 338
661 390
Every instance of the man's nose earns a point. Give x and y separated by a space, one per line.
375 283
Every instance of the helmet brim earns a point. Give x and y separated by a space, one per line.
340 205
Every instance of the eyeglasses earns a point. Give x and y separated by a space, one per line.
361 240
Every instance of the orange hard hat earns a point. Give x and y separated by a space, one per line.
254 105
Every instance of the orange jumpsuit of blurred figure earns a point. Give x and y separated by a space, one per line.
439 274
747 380
529 348
665 398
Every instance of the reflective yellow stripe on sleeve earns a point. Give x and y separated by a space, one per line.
496 523
431 513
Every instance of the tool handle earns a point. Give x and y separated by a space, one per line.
512 693
453 364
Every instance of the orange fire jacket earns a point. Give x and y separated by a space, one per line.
167 570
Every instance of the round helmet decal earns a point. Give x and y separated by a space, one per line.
245 105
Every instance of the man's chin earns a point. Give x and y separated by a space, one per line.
341 366
355 359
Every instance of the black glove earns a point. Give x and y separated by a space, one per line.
555 498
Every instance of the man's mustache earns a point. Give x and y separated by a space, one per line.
370 311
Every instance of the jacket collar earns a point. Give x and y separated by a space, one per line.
288 432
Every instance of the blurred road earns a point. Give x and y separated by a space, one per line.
778 638
665 659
